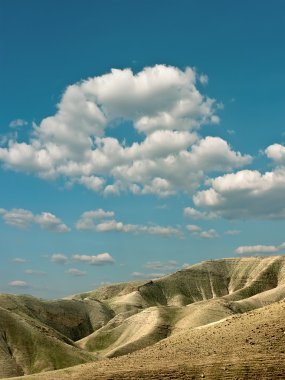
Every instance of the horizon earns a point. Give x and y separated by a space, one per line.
137 138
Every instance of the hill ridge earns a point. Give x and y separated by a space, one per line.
122 318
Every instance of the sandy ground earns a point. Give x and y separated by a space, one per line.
248 346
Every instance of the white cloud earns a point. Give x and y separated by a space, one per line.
100 259
22 218
17 217
204 234
35 272
209 234
196 214
59 258
92 182
252 249
18 123
193 228
103 221
75 272
276 152
19 260
162 265
232 232
165 108
88 218
246 194
203 78
19 284
50 222
147 275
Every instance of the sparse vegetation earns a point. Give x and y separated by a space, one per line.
218 314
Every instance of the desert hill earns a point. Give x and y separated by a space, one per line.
218 319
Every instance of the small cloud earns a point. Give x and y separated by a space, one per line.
17 217
104 221
21 218
147 275
204 234
18 123
50 222
231 132
209 234
59 258
254 249
203 78
162 207
196 214
232 232
161 265
35 272
19 284
105 283
19 260
100 259
75 272
92 183
193 228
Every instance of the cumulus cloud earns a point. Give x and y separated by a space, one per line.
17 123
165 108
19 284
246 194
100 259
17 217
22 218
59 258
104 221
75 272
50 222
276 152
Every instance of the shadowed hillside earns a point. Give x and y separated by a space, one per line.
195 317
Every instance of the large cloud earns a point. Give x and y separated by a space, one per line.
164 106
245 194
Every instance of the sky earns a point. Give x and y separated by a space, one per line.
137 138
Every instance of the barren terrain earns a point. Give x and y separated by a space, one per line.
220 319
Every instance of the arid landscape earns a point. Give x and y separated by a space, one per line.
220 319
142 187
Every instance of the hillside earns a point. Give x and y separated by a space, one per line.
224 315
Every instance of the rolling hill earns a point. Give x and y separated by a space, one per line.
217 319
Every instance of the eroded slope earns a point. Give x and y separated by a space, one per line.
122 318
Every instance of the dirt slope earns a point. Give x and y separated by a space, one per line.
247 346
204 317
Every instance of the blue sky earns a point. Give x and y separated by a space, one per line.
174 157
